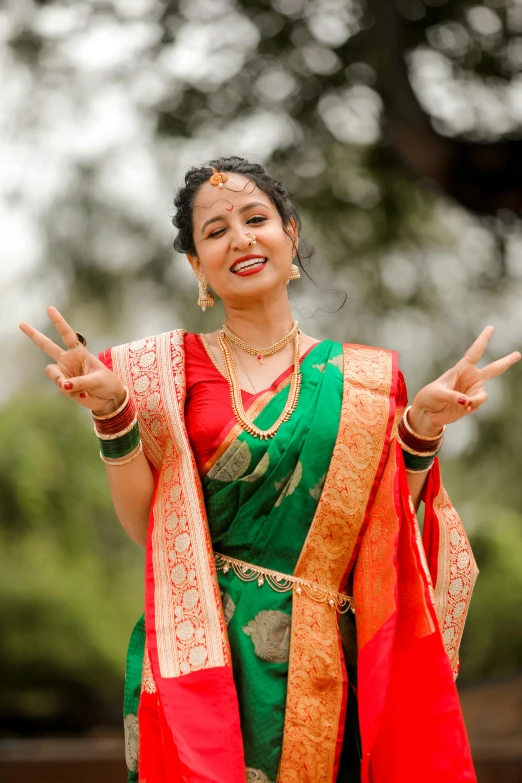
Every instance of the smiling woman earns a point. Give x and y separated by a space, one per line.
296 626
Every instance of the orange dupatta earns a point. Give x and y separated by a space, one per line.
365 527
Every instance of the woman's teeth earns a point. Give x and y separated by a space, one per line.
248 264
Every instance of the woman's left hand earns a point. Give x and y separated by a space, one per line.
458 391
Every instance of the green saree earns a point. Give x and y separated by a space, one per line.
260 498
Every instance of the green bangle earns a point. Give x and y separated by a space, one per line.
120 447
419 464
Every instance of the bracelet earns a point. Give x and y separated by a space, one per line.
115 435
424 470
414 444
125 461
417 464
112 415
121 422
416 434
414 453
121 446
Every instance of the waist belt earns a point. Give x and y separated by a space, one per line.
283 583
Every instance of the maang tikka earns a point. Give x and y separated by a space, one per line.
205 297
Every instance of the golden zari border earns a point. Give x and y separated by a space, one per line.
315 679
456 576
188 615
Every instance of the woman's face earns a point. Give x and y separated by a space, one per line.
222 218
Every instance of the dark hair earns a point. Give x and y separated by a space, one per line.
195 177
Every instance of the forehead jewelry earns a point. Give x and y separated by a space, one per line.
218 178
253 238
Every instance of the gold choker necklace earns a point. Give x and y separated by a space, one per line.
259 353
235 390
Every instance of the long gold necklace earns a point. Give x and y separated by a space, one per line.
259 353
235 390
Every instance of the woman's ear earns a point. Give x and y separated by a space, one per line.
293 235
195 263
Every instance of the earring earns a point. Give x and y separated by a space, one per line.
295 274
205 297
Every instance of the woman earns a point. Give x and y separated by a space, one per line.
273 476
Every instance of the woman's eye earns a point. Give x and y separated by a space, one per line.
216 233
256 219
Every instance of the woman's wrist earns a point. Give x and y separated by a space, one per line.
421 421
111 406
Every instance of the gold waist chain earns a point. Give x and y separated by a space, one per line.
283 583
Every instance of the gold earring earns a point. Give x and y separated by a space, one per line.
205 297
295 274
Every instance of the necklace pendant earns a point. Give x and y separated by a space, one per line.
259 358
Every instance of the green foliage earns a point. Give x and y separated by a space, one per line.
70 580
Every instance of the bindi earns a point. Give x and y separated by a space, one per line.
229 209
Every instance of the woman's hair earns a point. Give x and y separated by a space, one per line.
195 177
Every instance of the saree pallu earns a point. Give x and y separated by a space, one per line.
338 467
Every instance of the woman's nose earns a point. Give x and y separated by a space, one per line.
243 239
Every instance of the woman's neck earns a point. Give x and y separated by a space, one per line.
262 324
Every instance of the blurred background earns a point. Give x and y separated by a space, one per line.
397 124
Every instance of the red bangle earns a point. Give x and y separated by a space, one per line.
417 443
117 421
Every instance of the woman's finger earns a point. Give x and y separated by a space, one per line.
500 365
82 383
54 373
43 342
475 351
451 397
66 332
478 399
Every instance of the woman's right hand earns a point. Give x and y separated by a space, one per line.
80 375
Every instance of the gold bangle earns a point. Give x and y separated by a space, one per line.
424 470
125 461
111 415
117 434
404 447
416 434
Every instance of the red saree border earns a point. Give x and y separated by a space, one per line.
317 679
451 563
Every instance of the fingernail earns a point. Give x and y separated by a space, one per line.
68 385
83 394
462 400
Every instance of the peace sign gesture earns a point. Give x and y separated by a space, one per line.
80 375
458 391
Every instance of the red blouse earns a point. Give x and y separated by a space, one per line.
208 410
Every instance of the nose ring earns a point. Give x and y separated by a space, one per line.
253 239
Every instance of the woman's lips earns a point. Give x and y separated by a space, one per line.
251 270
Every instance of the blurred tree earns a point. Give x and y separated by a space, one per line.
385 118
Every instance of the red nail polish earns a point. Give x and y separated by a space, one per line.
83 394
462 400
68 385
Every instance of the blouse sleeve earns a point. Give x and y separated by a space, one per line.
402 392
106 358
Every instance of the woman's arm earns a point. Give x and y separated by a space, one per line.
131 487
85 379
